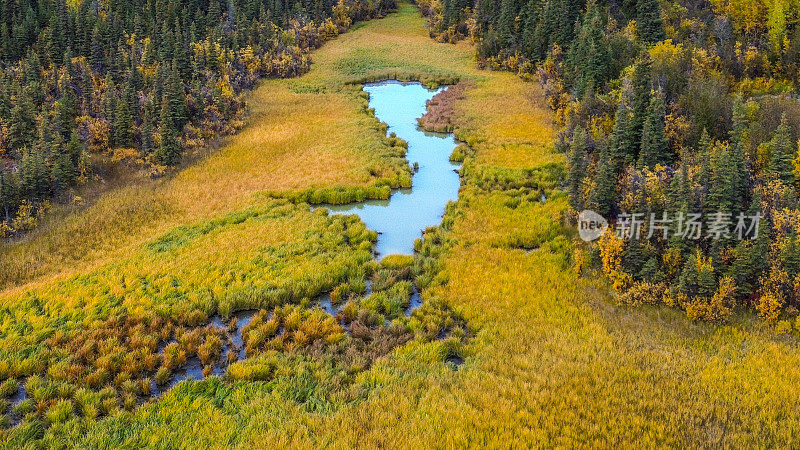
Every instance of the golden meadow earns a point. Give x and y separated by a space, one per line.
549 357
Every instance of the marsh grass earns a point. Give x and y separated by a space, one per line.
550 359
441 111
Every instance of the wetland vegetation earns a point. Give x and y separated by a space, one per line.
214 307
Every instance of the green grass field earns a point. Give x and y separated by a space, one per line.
551 359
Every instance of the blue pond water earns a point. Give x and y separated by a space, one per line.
402 218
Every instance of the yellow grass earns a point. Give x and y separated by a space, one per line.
552 362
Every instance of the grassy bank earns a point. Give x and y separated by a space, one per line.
551 360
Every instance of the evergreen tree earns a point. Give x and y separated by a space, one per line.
642 93
568 12
123 124
544 35
604 195
81 40
75 150
624 145
7 194
180 54
108 102
722 195
176 96
97 52
32 69
696 279
649 21
169 152
577 164
704 161
66 111
506 25
679 191
64 171
654 142
741 174
588 57
35 177
147 129
531 46
22 122
783 150
6 49
129 95
214 14
54 43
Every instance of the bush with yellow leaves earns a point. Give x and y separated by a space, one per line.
611 250
718 309
26 220
644 292
769 306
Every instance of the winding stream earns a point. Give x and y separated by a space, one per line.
401 219
398 221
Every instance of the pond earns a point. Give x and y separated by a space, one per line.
408 212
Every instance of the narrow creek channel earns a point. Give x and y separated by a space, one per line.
402 218
399 220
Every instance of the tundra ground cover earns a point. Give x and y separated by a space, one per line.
550 359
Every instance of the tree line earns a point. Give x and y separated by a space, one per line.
88 81
667 109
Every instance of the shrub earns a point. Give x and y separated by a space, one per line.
9 387
783 327
162 376
60 412
210 349
397 261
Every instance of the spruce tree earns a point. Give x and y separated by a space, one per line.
7 194
568 12
64 171
649 21
175 94
5 42
66 111
80 40
123 124
577 164
679 192
530 39
169 152
214 15
75 149
34 175
741 173
54 46
97 55
642 93
506 24
722 195
167 44
180 54
108 101
147 129
704 147
22 122
604 195
32 69
783 150
544 35
654 142
624 145
588 57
